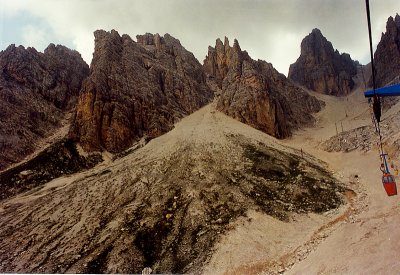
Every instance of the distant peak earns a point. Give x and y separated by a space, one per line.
316 31
322 68
149 39
315 36
397 19
218 42
393 23
11 47
236 45
225 45
226 41
100 34
54 47
387 54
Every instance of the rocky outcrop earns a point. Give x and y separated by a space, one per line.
136 89
321 68
61 158
387 54
255 93
36 89
56 74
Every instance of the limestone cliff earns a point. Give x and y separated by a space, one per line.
387 54
36 90
136 89
255 93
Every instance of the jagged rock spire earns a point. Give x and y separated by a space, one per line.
322 68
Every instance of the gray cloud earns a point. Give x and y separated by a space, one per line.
271 30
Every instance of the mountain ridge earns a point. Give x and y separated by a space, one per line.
37 90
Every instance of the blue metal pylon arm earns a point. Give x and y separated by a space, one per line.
393 90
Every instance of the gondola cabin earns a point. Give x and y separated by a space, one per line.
389 184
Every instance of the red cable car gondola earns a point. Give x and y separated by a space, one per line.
387 179
389 184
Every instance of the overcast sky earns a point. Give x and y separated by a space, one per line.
270 30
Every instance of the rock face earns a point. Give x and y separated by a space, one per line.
36 89
255 93
136 89
321 68
387 54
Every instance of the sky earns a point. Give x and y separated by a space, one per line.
271 30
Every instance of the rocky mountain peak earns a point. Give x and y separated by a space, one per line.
221 58
317 32
236 47
60 50
149 39
102 34
322 68
315 43
41 71
393 22
226 42
36 90
136 89
255 93
166 44
387 54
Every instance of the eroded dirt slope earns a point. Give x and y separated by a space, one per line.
165 205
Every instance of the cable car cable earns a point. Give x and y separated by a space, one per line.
373 75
